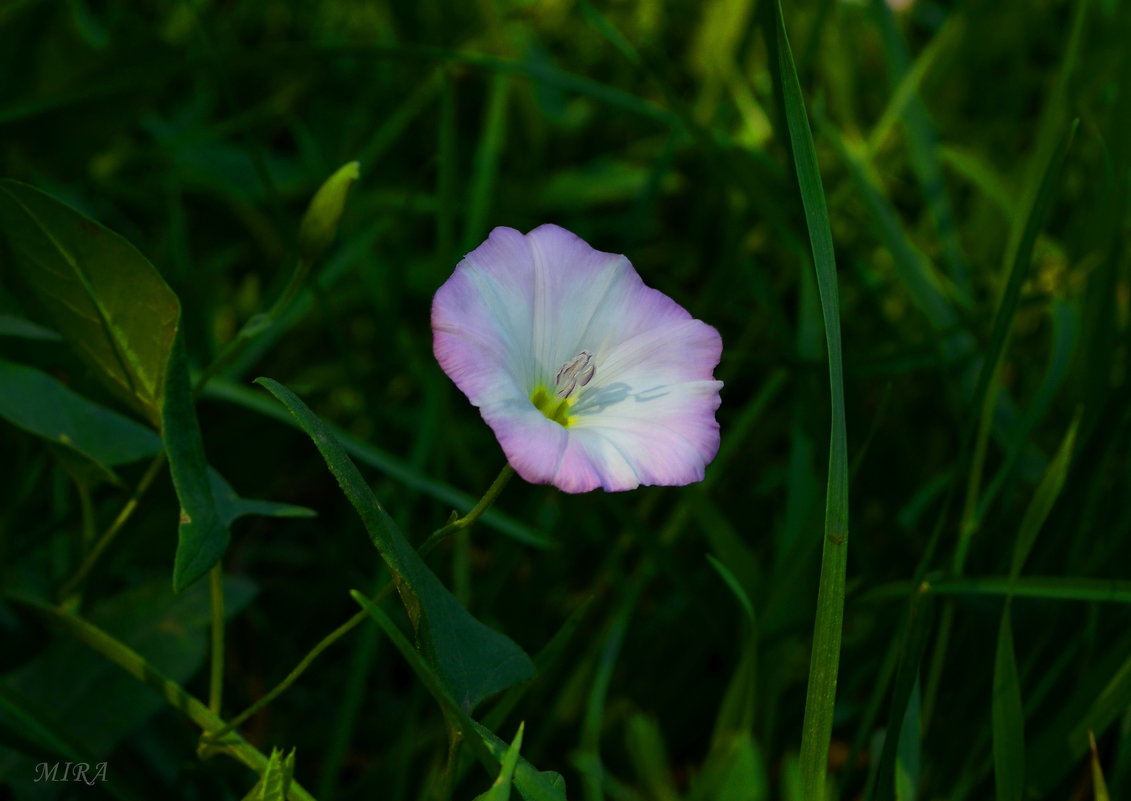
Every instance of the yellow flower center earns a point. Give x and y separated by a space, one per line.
549 404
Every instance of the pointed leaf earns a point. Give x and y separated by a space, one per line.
1099 786
202 536
276 779
1008 718
102 294
231 507
473 660
501 789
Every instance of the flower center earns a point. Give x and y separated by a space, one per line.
555 404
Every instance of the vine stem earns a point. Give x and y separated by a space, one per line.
216 677
116 526
136 665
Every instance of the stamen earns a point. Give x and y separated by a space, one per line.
577 372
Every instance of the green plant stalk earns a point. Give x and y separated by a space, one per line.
298 670
476 512
824 663
216 678
116 526
136 665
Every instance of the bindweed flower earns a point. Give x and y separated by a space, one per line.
588 377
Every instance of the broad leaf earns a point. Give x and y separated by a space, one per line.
471 659
103 296
115 310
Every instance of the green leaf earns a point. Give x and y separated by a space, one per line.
735 770
646 750
825 661
501 789
985 393
1099 786
1049 588
909 751
735 587
1041 504
231 507
473 660
1008 718
202 536
102 295
39 404
532 784
275 782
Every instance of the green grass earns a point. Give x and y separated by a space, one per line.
910 228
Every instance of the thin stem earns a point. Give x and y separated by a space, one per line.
469 518
300 668
216 684
111 532
344 629
136 665
88 532
254 327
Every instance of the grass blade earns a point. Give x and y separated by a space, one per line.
1008 717
821 695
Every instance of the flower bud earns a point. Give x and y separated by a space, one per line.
320 223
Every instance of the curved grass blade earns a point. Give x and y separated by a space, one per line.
985 393
821 694
1008 717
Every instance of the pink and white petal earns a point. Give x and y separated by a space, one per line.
664 354
667 437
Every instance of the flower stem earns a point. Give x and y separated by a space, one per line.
298 670
216 684
463 522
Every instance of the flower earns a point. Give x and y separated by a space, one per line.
588 377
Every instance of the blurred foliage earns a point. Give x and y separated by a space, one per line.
199 130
